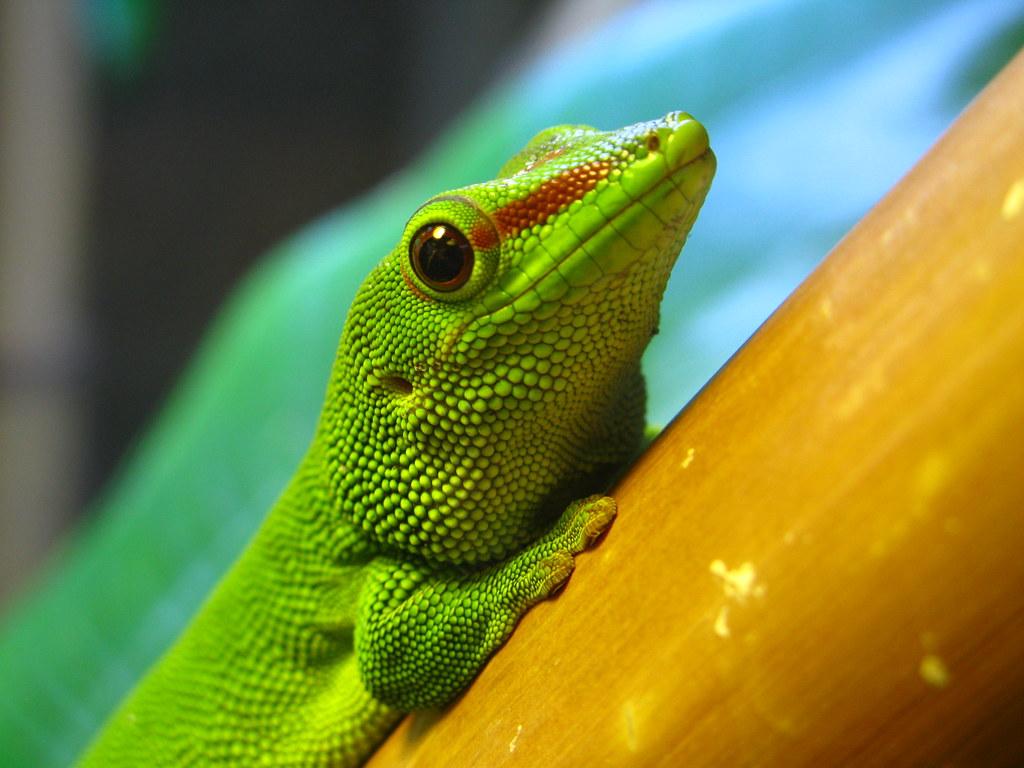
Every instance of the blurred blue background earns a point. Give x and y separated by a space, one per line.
154 153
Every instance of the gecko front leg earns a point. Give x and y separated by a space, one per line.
423 634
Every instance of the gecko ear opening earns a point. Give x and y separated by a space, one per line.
397 384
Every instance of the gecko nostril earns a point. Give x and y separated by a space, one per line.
397 384
653 142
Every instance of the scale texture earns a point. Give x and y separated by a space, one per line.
487 380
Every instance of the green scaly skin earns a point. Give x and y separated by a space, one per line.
488 374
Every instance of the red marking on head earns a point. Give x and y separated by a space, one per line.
483 236
550 197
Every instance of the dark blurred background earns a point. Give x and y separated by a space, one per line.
150 153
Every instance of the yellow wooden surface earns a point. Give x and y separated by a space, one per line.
821 562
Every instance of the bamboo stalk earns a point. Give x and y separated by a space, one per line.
821 561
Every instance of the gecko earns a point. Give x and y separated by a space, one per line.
486 384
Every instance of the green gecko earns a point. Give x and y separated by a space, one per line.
488 374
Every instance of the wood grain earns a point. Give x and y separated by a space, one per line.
821 561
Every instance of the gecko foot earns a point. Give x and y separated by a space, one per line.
584 521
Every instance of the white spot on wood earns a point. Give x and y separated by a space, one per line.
1013 203
932 476
981 271
515 739
871 384
722 622
826 308
629 721
933 670
688 458
738 583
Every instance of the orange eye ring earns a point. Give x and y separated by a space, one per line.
441 256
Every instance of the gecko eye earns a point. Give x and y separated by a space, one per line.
441 256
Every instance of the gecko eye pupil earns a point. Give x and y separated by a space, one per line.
441 256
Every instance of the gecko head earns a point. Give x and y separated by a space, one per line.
492 358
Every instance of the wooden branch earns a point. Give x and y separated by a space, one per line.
821 561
